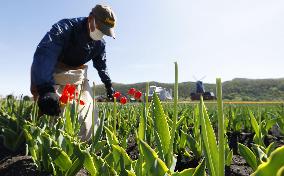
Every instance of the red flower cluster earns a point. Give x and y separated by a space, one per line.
132 92
122 99
135 93
117 95
69 93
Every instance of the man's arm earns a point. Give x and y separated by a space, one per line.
46 55
45 59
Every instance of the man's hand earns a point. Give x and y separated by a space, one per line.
110 92
48 101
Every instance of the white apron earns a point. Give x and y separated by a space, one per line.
79 77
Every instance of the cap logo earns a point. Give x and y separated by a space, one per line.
109 21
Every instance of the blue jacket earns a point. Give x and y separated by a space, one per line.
69 42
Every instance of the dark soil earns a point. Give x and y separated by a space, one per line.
238 167
184 162
237 137
132 147
279 140
18 164
247 139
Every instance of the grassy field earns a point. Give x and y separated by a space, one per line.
134 136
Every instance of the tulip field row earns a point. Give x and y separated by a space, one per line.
151 138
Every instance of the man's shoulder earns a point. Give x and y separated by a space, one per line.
71 21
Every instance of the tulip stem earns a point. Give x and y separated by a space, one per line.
220 128
93 114
147 97
114 115
170 156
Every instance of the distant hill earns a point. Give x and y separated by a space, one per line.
237 89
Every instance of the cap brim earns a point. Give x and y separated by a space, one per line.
109 31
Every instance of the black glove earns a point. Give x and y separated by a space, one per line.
48 101
110 91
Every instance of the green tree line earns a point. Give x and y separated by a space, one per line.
239 89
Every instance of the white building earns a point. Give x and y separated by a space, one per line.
163 93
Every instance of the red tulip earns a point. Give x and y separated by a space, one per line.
69 90
123 100
116 95
81 102
131 91
137 95
65 89
63 99
68 94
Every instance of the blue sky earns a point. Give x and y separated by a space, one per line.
226 39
